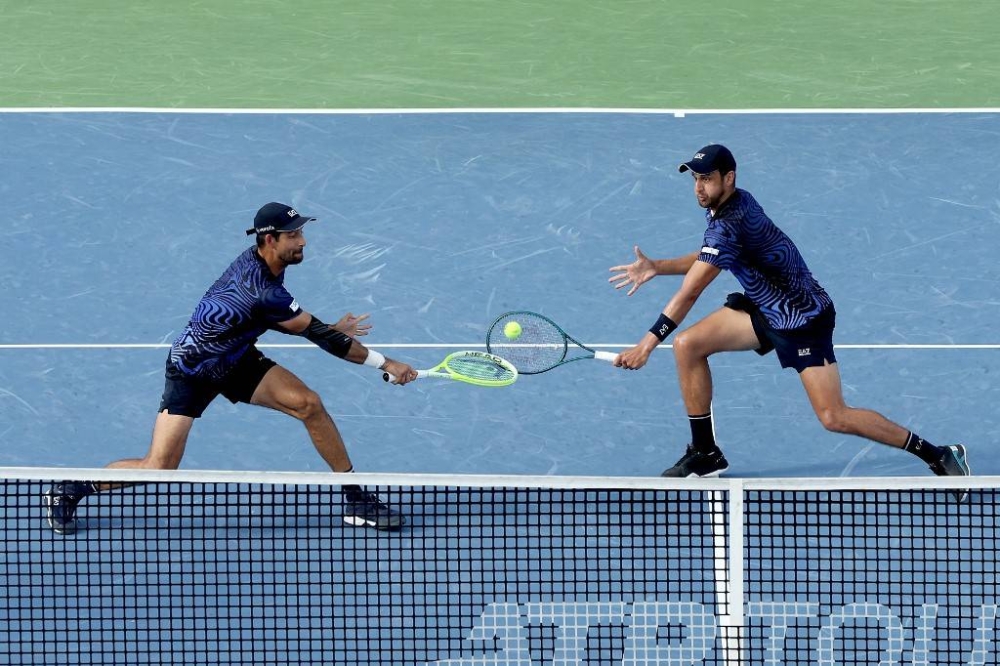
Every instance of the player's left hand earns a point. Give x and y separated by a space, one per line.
353 326
633 358
633 275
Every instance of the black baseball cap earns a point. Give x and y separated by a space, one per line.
276 217
711 158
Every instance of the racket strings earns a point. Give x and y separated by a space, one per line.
481 368
540 346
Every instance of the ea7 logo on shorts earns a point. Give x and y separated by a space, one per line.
294 306
804 351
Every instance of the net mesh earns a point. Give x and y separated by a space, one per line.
541 345
232 572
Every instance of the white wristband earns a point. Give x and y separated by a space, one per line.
375 359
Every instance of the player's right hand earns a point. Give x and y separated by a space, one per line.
633 358
401 372
636 274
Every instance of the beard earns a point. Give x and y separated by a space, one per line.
710 202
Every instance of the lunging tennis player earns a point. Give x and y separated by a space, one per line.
216 354
782 308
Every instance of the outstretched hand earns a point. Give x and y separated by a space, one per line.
353 326
636 274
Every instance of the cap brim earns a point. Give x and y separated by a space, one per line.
301 220
687 166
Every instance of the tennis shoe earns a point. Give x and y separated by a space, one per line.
60 505
364 509
953 463
695 463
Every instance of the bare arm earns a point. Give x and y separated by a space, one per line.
698 277
644 269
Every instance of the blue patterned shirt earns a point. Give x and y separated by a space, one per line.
742 239
244 302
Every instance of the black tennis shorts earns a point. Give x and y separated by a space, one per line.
800 348
190 396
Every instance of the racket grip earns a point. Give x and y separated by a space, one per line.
605 356
386 377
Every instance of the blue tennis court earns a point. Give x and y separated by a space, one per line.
435 224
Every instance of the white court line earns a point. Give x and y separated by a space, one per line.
679 113
438 345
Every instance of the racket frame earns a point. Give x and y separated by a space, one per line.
608 357
443 370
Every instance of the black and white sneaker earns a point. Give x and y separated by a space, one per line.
365 509
60 505
694 463
953 463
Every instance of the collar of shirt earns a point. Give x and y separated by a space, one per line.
279 278
726 205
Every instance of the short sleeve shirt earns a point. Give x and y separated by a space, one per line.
246 301
742 239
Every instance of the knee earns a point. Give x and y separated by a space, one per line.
686 346
308 405
162 459
835 420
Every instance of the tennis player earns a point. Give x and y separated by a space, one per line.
782 308
216 354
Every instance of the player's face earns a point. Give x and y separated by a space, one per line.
290 246
711 189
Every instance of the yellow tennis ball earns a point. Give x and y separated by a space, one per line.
512 330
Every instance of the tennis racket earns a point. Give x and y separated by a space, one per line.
541 346
472 367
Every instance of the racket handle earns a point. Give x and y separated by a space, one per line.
386 377
605 356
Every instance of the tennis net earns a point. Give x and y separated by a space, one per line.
259 568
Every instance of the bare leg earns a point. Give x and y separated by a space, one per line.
723 330
283 391
823 387
170 434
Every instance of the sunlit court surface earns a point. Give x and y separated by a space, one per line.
435 223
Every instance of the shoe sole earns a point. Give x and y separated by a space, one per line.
66 529
710 475
696 476
385 525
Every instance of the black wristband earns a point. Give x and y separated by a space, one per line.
328 339
663 327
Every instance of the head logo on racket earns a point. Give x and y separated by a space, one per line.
472 367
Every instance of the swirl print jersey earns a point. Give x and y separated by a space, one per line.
742 239
244 302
